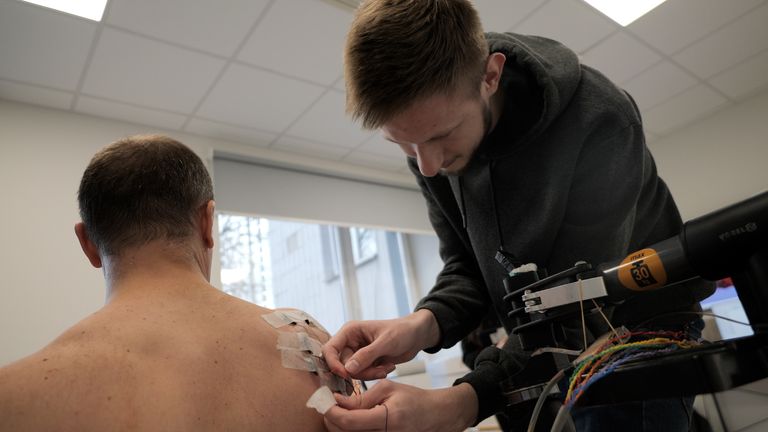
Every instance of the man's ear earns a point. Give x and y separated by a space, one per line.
494 67
89 248
207 215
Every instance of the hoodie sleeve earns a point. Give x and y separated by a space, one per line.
458 299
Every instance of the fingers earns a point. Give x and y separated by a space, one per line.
346 353
340 419
375 372
331 357
365 359
339 353
377 395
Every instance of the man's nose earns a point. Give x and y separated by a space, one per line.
430 159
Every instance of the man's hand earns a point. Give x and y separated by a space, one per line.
370 349
407 409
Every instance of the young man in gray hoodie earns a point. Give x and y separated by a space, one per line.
519 149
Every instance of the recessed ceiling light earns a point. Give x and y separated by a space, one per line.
624 11
90 9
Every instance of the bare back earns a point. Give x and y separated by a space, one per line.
193 364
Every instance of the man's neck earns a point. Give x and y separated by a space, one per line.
497 107
154 270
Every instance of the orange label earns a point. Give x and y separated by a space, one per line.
642 271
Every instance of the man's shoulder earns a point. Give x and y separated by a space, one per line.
602 99
38 389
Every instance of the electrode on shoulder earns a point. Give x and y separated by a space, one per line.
281 318
299 341
300 360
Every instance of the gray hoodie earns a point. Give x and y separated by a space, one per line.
564 176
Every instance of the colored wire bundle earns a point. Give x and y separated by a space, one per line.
612 355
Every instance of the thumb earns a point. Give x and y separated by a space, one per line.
364 358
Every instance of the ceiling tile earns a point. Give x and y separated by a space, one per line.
133 69
40 46
253 98
502 16
35 95
380 146
129 113
310 148
658 84
289 40
376 161
217 27
733 43
225 132
327 122
682 109
745 78
620 57
673 25
571 22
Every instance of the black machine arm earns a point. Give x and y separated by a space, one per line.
727 242
730 242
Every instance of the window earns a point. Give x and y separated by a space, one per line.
245 264
334 273
330 252
363 244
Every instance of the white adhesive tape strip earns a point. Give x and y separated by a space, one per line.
277 319
322 400
295 359
302 317
280 318
299 341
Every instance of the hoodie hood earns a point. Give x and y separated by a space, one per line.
540 77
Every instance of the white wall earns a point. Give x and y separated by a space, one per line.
426 262
47 284
720 160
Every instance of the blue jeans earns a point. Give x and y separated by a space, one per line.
659 415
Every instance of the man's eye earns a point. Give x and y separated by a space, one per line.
409 149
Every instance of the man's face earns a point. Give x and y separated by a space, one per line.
442 131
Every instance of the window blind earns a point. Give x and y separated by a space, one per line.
253 188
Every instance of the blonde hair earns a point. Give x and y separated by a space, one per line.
399 51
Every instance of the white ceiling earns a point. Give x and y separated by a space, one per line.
268 72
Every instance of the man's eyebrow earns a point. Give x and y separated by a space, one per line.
443 134
438 136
